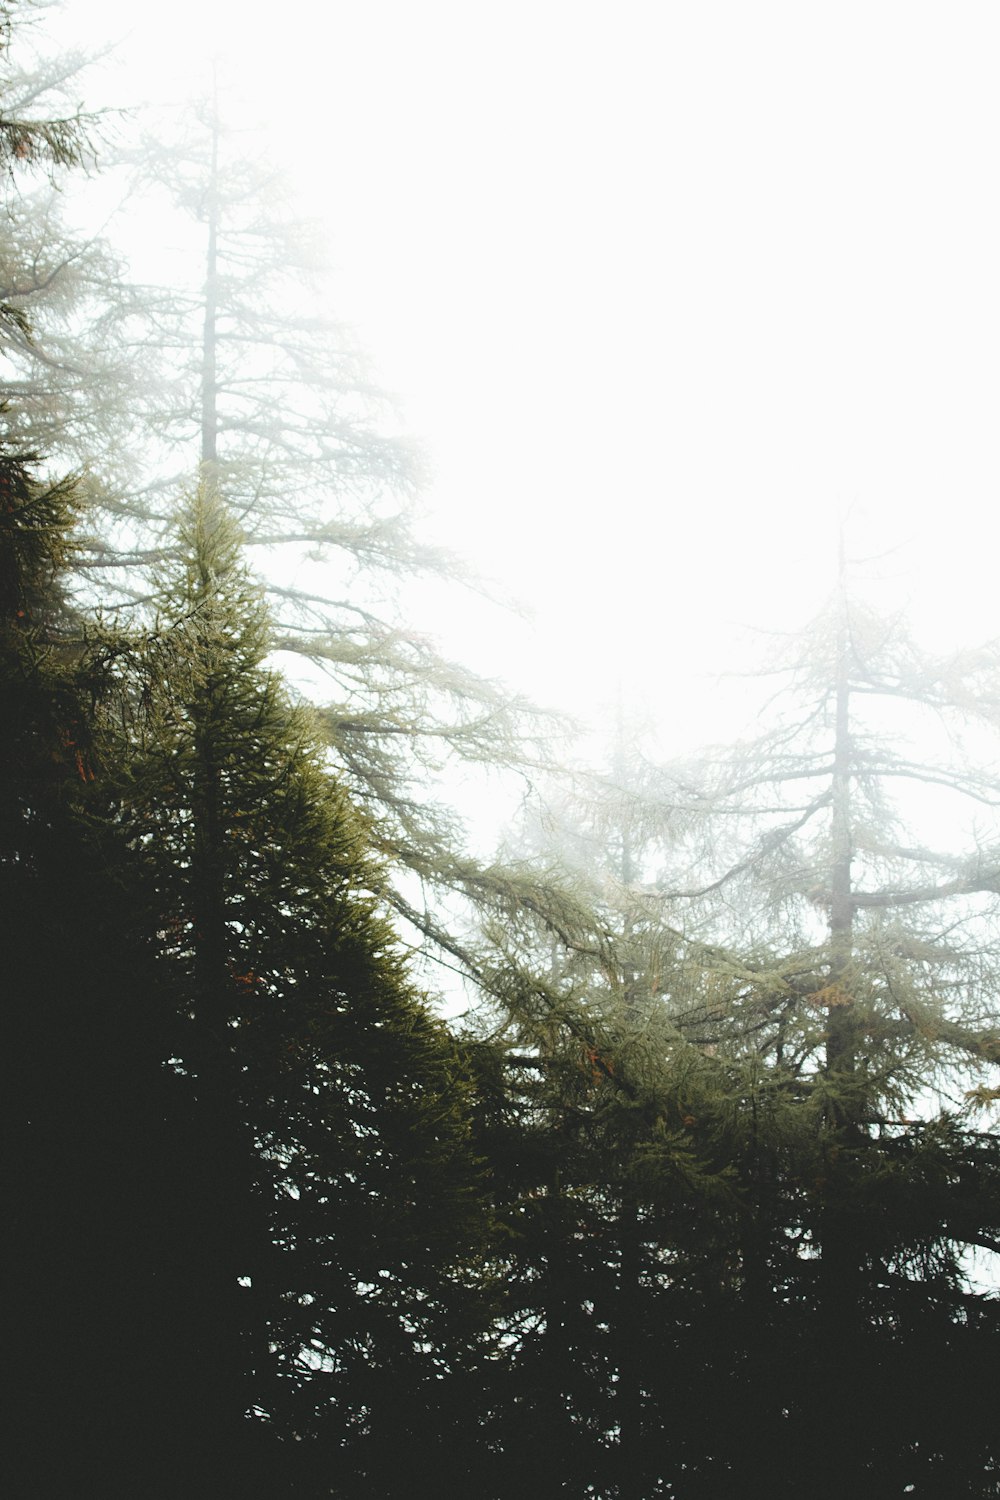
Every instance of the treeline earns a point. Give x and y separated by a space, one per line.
704 1199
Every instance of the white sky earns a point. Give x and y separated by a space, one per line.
665 287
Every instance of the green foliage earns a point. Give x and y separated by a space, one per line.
338 1106
754 1020
45 734
693 1207
30 135
97 1183
68 330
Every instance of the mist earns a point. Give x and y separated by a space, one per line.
667 295
500 824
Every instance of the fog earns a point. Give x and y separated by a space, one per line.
667 292
505 1069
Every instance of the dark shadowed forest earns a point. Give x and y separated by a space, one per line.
699 1197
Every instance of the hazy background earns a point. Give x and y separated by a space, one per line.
666 288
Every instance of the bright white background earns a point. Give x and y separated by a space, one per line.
665 287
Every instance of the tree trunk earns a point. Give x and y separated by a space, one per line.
840 1018
628 1319
840 1278
209 370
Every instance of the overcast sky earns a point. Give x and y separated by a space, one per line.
665 287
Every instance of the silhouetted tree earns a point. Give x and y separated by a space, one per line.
856 1015
347 1215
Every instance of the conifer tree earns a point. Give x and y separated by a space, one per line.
231 1116
264 390
347 1216
99 1182
603 1125
829 1078
856 1018
72 349
240 368
31 133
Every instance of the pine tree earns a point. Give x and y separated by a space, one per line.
826 1082
31 135
856 1016
603 1123
244 1205
98 1180
71 323
240 368
270 396
347 1217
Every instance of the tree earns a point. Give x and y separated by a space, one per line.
604 1125
857 1018
782 980
239 367
95 1172
100 1171
30 134
71 363
347 1218
270 395
72 350
244 1206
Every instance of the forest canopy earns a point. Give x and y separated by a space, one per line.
699 1198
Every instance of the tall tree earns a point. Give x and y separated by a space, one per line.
817 1012
606 1128
96 1177
245 1207
99 1166
238 367
72 350
858 1016
347 1217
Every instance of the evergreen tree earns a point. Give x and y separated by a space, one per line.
347 1218
31 134
99 1169
243 1201
856 1020
98 1186
72 350
602 1121
270 395
239 367
826 1083
71 361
